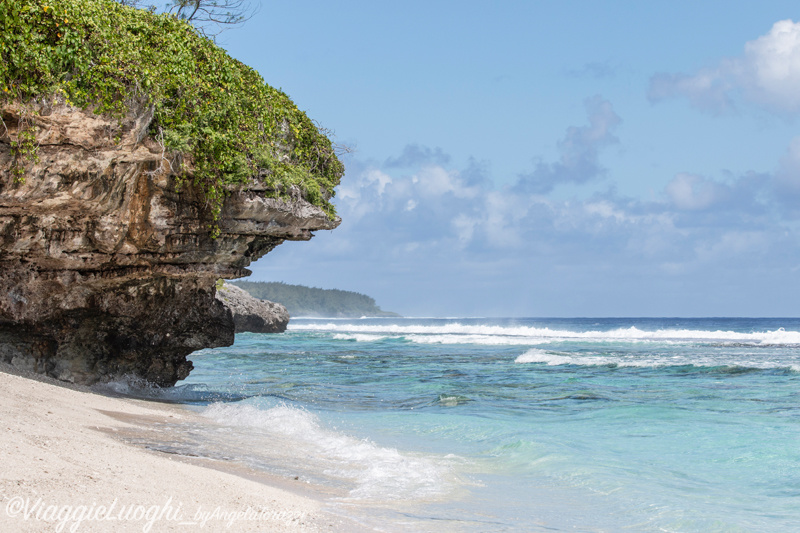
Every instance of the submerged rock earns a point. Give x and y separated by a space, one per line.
251 314
107 270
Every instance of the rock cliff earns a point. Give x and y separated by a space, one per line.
251 314
107 268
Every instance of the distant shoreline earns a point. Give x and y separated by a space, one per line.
313 302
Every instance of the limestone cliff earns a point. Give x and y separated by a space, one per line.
106 269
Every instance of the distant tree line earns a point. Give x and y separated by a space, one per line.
307 301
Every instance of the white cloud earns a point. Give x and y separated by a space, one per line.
787 179
503 213
435 181
440 235
706 90
732 245
772 66
415 155
605 209
579 161
768 73
464 226
689 192
380 179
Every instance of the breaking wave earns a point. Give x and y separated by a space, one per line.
653 361
458 333
370 471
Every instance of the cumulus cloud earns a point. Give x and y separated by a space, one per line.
731 245
434 181
690 193
415 155
451 236
767 73
579 161
772 66
448 212
787 179
707 90
363 192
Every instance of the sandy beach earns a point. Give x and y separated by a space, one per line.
65 469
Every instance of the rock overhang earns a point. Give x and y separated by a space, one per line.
107 267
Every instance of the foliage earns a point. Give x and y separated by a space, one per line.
307 301
24 148
110 57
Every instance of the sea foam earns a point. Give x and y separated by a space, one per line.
550 358
370 471
458 333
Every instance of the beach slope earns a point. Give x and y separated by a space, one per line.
64 469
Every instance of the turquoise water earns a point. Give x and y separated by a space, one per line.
520 424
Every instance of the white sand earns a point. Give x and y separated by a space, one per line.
58 453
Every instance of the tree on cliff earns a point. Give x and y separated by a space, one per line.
219 124
209 16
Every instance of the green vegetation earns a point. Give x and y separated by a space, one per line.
307 301
216 112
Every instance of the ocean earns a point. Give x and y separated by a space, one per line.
534 424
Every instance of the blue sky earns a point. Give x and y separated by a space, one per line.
548 158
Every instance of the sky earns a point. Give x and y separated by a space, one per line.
532 158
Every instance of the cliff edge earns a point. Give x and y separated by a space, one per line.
106 270
114 232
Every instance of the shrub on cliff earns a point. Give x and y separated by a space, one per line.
218 112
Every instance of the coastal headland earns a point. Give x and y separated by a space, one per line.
139 165
137 168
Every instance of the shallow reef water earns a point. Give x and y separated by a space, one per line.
517 424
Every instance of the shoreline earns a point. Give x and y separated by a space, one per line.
67 467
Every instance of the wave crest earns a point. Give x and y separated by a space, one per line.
458 333
651 361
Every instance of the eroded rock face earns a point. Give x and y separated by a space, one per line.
106 270
251 314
